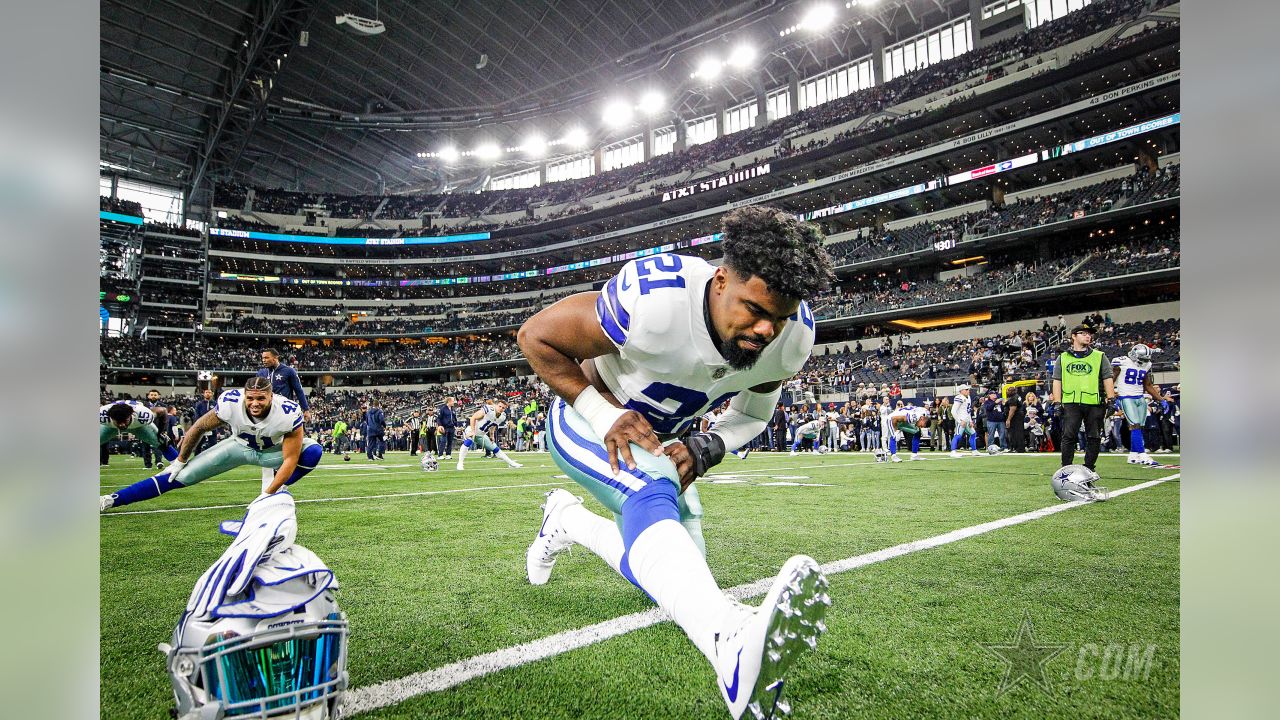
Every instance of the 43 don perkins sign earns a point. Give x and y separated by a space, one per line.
717 182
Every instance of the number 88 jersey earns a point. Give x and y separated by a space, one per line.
265 434
1131 381
668 367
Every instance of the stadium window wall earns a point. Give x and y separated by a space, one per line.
778 104
700 130
664 140
620 155
941 43
159 203
1038 11
515 181
836 83
742 117
572 169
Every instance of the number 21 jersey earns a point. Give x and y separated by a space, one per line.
667 367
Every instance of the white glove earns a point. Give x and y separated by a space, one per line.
175 467
270 524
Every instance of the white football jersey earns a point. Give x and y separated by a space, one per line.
1132 376
142 415
809 429
962 408
668 367
910 414
284 416
491 418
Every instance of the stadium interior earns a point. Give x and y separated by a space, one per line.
386 199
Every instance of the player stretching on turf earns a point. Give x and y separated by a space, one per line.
908 421
490 414
266 430
808 431
667 338
130 416
962 413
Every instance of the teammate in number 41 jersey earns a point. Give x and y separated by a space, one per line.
266 430
637 363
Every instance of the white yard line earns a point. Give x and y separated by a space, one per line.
372 697
338 499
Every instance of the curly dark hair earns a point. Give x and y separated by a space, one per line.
783 251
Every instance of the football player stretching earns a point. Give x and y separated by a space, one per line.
636 364
908 421
266 430
489 415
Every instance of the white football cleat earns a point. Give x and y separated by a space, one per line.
956 454
742 454
895 458
552 538
514 464
975 453
752 658
1133 458
793 453
106 502
915 457
460 465
1145 459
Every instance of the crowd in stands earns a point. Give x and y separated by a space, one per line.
986 63
116 205
987 361
223 354
869 293
171 229
867 378
1027 212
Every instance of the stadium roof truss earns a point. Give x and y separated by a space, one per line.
199 90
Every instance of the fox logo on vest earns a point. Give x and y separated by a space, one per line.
1077 368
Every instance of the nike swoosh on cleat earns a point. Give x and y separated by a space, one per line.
732 690
544 524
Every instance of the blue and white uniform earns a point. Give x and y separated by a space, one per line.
142 415
1130 388
141 425
904 422
962 413
479 437
1132 398
808 431
669 370
252 442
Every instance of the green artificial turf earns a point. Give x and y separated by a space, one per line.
433 579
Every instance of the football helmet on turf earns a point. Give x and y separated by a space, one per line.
430 463
1076 483
276 648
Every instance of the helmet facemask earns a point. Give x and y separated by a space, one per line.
1075 483
280 653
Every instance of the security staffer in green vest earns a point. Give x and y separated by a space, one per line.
1082 383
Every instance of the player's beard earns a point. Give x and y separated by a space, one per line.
740 358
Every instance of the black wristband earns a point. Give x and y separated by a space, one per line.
707 450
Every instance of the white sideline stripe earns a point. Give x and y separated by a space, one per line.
337 499
372 697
